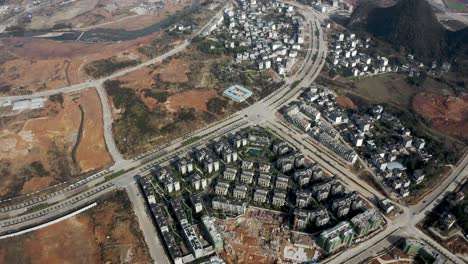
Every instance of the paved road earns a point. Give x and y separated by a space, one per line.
108 120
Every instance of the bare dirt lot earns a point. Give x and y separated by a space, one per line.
196 99
107 233
345 102
448 114
40 64
175 72
92 152
46 146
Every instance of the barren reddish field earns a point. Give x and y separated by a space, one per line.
92 151
448 114
193 99
345 102
176 71
107 233
42 64
140 79
36 147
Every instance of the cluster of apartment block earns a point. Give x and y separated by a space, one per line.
322 190
253 180
315 113
344 233
166 224
166 179
192 239
259 38
158 216
262 182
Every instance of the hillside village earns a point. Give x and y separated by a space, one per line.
380 138
262 34
352 56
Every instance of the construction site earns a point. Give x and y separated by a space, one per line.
264 236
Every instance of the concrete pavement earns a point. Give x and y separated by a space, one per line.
107 126
152 239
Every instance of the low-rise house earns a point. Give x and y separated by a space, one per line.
447 220
264 167
418 176
279 199
230 174
282 182
264 180
299 121
247 165
222 188
260 195
386 205
404 192
240 191
247 177
310 111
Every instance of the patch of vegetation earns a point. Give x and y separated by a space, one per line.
191 140
139 126
161 97
417 80
114 175
16 29
216 105
38 169
158 46
186 114
105 67
62 26
37 207
57 98
261 83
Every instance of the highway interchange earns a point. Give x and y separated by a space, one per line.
262 113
